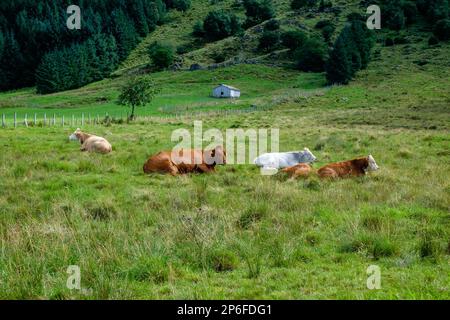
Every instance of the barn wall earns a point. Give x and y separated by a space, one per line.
227 92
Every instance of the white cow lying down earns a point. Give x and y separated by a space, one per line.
90 142
282 160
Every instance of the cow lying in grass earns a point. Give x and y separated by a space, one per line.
91 143
352 168
301 170
185 161
284 159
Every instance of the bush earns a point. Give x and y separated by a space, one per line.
269 40
442 29
272 25
198 30
300 4
389 42
311 56
257 11
325 4
293 39
181 5
393 15
162 56
432 41
323 23
327 33
220 25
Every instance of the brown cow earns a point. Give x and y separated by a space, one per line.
91 143
353 168
300 170
185 161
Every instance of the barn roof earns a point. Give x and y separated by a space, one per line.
227 86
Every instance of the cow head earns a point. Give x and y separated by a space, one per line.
372 164
76 135
216 156
307 156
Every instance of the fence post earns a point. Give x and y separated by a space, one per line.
45 119
35 119
73 120
3 121
54 119
15 120
90 122
26 120
62 121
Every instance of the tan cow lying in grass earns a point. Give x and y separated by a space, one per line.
91 143
185 161
352 168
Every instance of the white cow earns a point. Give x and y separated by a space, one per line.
280 160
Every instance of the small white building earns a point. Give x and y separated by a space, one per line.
224 91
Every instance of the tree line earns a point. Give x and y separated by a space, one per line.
37 48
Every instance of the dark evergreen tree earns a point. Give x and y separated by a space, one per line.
124 32
338 66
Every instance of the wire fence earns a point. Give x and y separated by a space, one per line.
80 120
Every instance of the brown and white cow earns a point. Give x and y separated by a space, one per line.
185 161
91 143
353 168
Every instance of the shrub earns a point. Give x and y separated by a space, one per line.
393 15
269 40
300 4
323 23
311 56
257 11
162 56
220 25
432 41
293 39
442 29
198 30
181 5
325 4
327 32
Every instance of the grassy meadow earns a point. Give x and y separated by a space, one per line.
236 234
